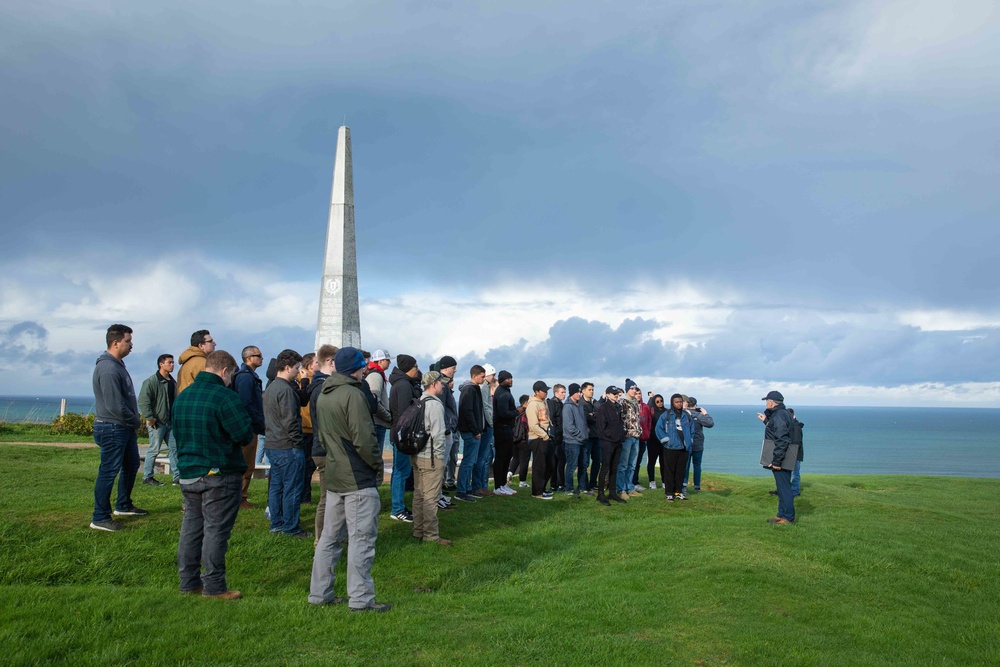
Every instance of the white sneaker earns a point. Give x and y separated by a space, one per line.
652 485
523 485
510 491
640 487
498 491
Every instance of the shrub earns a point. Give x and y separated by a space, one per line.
73 423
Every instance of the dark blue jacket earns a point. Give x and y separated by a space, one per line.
666 430
778 427
701 421
249 388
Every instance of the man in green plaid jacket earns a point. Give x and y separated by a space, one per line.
211 426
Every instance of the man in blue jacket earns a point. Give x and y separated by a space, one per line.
249 388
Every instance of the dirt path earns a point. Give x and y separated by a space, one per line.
68 445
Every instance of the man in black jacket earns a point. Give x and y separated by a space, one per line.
778 427
611 431
471 424
591 455
404 388
324 357
504 413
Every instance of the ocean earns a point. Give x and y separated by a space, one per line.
836 440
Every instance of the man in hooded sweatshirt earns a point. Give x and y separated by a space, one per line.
115 423
537 413
428 471
404 384
447 367
574 428
353 474
193 358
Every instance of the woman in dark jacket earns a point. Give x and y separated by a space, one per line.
653 443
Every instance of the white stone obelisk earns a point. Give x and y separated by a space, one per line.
339 321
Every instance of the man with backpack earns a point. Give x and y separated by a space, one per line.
428 462
404 382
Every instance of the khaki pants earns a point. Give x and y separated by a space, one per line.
426 491
320 462
250 458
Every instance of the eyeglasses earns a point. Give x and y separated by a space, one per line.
258 355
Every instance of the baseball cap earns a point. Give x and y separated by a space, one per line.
490 370
774 396
539 386
430 377
380 355
613 390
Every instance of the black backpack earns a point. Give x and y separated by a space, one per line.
520 429
411 435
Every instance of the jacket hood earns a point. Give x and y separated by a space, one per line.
465 384
318 378
338 380
398 375
191 353
106 356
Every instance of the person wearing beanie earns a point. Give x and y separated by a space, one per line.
611 431
404 389
574 431
630 404
504 413
353 474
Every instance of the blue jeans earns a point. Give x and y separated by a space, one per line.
284 495
626 466
157 436
575 453
481 473
694 460
796 479
401 469
261 458
119 454
380 432
212 503
786 501
470 456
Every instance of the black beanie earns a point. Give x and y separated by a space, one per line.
447 362
405 362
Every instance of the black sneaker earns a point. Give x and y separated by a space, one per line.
177 482
301 535
130 511
152 481
403 516
464 497
450 487
618 499
604 501
772 492
377 607
107 524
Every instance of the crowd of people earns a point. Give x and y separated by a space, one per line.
332 412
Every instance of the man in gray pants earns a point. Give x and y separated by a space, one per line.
353 471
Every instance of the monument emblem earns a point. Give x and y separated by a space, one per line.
339 321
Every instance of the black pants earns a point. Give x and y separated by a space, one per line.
519 464
553 471
537 466
638 460
673 465
503 442
653 449
611 452
308 469
593 446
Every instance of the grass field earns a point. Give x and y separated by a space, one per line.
879 570
29 432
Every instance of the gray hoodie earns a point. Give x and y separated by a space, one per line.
114 394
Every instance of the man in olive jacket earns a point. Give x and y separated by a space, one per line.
353 471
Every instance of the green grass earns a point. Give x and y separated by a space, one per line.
31 432
880 570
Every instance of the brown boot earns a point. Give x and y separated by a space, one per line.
228 595
440 540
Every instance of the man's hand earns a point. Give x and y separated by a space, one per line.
760 416
151 423
478 437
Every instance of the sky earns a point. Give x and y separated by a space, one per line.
713 198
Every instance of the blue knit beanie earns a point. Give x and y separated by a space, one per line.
348 360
